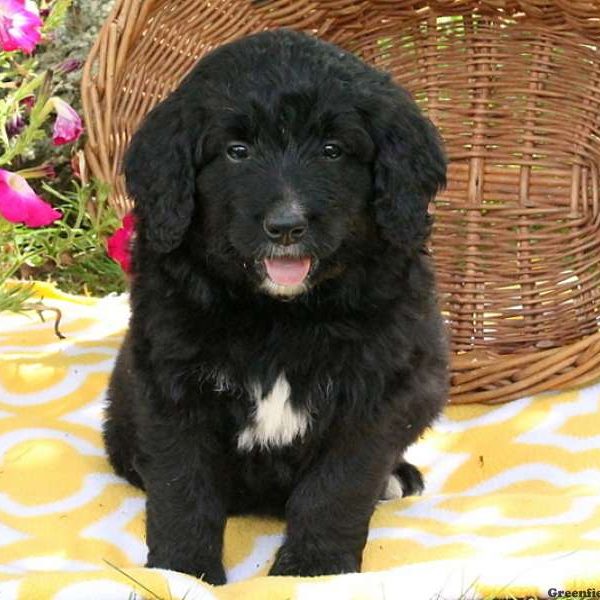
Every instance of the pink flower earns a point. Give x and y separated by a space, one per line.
119 243
20 204
68 126
28 101
48 171
20 25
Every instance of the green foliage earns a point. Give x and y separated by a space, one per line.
72 39
58 15
14 298
30 85
70 252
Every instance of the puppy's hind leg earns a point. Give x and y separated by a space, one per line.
118 429
117 439
405 480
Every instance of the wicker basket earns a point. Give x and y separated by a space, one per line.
514 86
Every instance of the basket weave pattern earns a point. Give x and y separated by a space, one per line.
513 85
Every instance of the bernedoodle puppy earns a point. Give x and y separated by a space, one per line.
285 344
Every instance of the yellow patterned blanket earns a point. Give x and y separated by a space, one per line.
511 507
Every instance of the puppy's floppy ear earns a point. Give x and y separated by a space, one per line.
409 168
160 173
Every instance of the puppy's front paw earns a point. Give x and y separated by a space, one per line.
208 569
305 562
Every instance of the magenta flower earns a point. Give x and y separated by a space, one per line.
68 126
119 243
28 101
20 25
20 204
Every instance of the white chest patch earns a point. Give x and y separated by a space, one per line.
275 421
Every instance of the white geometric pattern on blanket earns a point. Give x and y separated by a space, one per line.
581 508
74 379
110 529
9 535
47 563
90 415
546 433
482 544
264 549
495 416
18 436
9 590
93 486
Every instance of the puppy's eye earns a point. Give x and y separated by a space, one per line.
332 151
237 151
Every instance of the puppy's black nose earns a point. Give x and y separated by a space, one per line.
285 227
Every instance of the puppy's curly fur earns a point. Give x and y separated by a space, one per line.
234 392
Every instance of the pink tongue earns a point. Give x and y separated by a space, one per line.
287 271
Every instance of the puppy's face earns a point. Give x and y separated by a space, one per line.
283 187
278 160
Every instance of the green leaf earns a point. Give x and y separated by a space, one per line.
57 15
14 296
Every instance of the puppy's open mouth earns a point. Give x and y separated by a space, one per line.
286 276
288 271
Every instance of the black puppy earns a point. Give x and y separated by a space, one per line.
285 345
